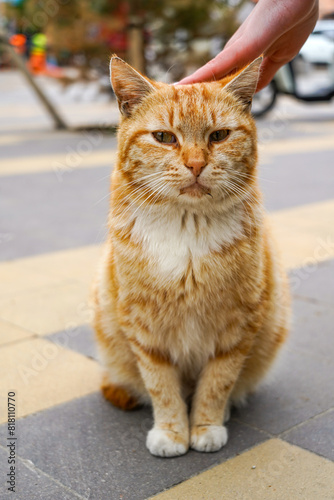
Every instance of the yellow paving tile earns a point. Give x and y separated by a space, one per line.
293 145
12 333
18 276
48 269
59 163
48 309
305 234
274 470
43 374
75 264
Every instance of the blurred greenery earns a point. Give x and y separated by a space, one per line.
181 34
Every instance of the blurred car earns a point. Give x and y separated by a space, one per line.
319 47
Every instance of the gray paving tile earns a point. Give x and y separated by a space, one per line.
302 381
301 387
289 180
44 215
81 339
313 328
99 451
316 435
317 281
31 484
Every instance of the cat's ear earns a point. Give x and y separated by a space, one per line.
130 87
243 86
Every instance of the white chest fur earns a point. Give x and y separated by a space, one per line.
171 237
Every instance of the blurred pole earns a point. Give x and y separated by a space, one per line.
136 44
19 62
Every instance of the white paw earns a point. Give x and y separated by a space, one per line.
208 438
166 443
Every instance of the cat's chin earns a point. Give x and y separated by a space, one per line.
196 190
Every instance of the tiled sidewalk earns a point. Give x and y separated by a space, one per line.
73 444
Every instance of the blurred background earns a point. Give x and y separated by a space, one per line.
67 45
164 39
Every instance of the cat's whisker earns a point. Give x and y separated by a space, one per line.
247 175
101 199
242 195
138 182
139 189
243 200
145 200
132 202
109 194
149 188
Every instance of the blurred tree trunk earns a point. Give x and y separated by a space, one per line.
136 55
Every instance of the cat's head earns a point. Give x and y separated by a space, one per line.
192 143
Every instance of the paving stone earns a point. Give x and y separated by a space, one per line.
49 308
300 387
272 470
80 339
99 451
289 180
43 375
50 269
317 282
45 143
300 233
11 333
316 435
313 328
57 215
31 484
301 383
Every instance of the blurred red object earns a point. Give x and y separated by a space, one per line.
18 41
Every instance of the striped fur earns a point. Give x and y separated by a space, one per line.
190 297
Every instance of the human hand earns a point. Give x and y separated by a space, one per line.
276 29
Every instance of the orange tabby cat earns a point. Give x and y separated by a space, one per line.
190 297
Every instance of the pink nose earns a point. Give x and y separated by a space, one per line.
196 165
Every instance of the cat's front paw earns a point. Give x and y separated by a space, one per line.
163 443
208 437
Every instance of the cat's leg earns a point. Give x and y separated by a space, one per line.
170 434
122 383
211 399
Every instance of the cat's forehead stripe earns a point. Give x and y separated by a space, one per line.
194 109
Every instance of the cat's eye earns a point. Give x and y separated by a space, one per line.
219 135
165 137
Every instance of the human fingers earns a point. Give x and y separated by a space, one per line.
231 58
267 72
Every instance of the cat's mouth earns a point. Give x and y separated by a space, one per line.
196 190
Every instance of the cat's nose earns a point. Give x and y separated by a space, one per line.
196 165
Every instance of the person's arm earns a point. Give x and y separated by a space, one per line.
275 28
